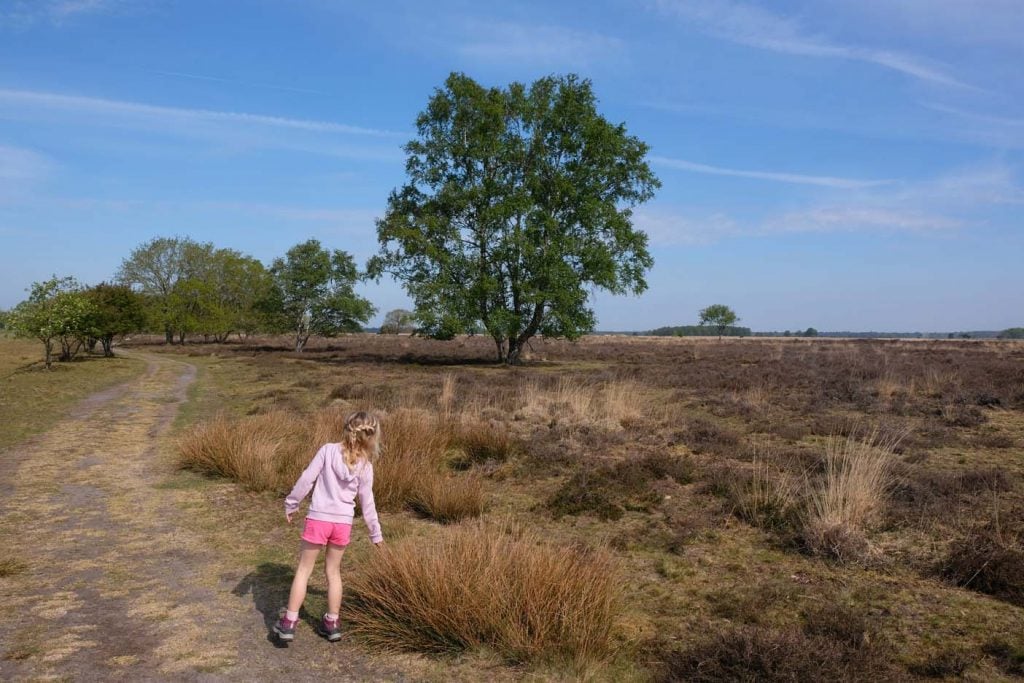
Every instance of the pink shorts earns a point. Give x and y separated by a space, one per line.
320 532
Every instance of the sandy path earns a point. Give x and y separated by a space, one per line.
113 588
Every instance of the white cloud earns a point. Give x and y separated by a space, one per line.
163 116
507 42
19 164
846 218
668 228
25 13
753 26
776 176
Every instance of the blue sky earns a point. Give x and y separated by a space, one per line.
847 165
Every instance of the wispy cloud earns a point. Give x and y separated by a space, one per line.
235 81
120 109
756 27
20 164
940 206
852 218
24 13
542 45
775 176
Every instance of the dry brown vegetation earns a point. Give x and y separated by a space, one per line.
742 485
495 586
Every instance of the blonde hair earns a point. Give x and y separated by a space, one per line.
360 438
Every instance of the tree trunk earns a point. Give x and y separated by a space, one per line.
168 335
514 351
107 342
300 342
48 345
181 338
499 342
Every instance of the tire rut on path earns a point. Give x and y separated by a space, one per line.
112 588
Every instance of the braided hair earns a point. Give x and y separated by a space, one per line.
360 438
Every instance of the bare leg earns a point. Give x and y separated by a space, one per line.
332 568
308 553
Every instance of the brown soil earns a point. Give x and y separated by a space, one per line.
104 582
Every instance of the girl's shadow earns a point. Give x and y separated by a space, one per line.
269 585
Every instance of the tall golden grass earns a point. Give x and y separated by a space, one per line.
488 586
858 476
268 453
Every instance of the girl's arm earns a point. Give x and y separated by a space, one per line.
367 505
305 483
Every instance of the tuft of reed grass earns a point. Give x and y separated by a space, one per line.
413 447
448 499
491 586
858 475
478 442
769 499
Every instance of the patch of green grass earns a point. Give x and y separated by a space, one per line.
32 398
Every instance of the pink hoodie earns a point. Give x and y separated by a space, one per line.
336 490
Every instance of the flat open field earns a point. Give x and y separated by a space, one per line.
720 478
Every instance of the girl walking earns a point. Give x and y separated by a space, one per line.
340 471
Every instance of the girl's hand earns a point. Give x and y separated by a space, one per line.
379 543
288 516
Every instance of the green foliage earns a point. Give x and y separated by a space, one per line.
314 293
810 332
116 310
398 321
193 287
698 331
518 202
719 316
5 317
1012 333
57 310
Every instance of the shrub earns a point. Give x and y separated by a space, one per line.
704 436
858 474
1009 656
491 586
607 492
758 653
989 558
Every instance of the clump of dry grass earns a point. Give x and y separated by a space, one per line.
615 403
12 567
769 499
448 499
268 453
264 452
413 447
850 494
479 441
488 586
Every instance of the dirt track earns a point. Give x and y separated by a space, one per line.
113 587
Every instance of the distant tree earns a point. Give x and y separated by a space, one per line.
4 318
315 293
810 332
1012 333
518 205
117 310
719 316
786 333
155 268
56 311
398 321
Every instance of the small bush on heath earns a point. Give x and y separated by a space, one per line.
607 492
448 499
488 586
